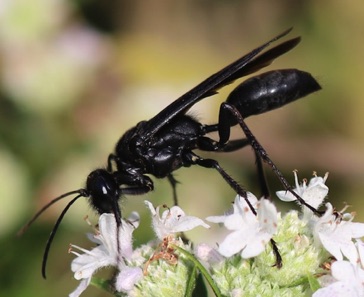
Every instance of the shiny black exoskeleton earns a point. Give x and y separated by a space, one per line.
168 141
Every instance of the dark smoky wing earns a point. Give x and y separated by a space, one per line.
266 58
256 64
245 65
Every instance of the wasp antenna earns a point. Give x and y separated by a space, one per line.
283 34
54 231
82 192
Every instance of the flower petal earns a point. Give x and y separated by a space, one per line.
80 288
233 243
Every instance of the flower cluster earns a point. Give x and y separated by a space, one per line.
264 252
130 262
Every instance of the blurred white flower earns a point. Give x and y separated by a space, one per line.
207 254
360 247
349 281
250 232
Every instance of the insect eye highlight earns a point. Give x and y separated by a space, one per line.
103 190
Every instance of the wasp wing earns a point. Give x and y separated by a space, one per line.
247 64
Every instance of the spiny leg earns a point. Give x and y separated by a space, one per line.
262 153
265 193
173 183
207 144
233 145
112 158
277 255
261 176
211 163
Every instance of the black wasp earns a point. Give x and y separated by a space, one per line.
168 141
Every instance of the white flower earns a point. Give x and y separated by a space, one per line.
336 234
313 194
350 281
173 220
106 253
250 232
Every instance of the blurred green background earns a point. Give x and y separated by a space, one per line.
75 75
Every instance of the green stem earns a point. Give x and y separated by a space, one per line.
202 269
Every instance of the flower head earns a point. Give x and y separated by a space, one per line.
242 263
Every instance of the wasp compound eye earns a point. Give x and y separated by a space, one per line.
103 191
